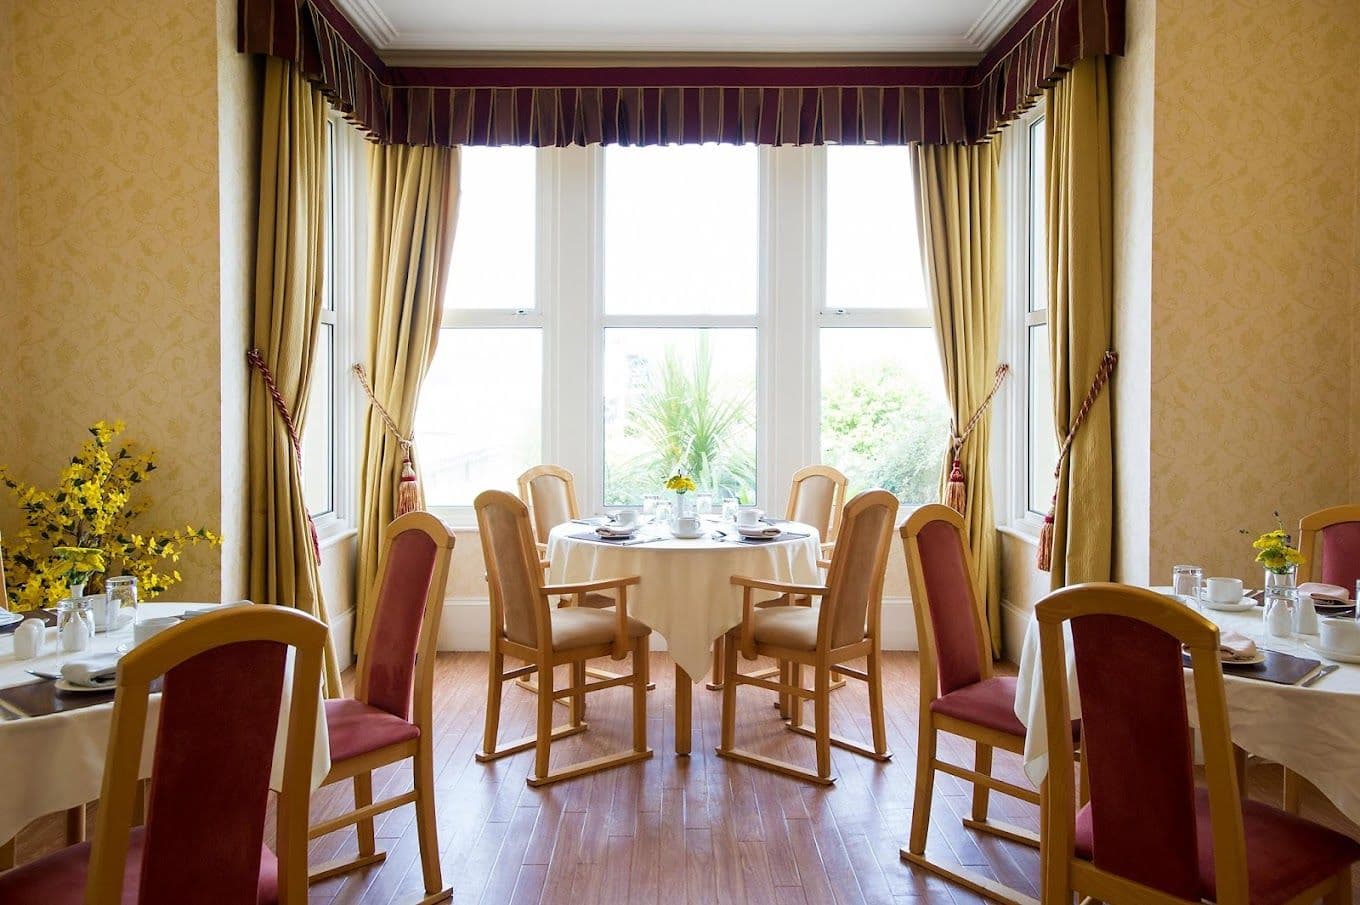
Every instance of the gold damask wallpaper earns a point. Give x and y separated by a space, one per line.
116 311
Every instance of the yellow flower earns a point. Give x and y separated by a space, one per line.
680 484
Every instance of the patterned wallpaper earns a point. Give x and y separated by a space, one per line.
116 310
1254 298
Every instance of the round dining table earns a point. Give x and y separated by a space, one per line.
685 592
55 761
1309 729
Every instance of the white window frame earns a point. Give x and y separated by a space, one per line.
570 311
1012 445
346 265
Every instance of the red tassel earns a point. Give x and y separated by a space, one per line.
956 491
408 488
1045 562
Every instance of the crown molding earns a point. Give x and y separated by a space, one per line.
371 21
486 59
673 42
993 22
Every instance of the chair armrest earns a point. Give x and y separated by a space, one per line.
543 564
827 548
779 587
582 587
823 563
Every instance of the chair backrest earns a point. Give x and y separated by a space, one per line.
1136 739
816 498
513 575
854 598
1338 528
396 666
550 493
951 630
224 676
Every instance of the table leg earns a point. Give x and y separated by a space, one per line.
7 854
684 710
75 825
1240 763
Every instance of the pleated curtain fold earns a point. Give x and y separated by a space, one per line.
413 198
287 311
959 219
1081 306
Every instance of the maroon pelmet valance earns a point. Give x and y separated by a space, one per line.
768 105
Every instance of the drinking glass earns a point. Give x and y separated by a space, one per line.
649 501
730 507
120 594
1187 581
75 625
662 512
703 502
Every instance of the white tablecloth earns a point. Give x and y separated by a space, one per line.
1313 731
56 762
686 594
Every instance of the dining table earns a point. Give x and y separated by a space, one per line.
685 592
54 762
1312 729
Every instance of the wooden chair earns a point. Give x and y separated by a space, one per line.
816 498
1148 834
389 719
203 840
525 625
959 693
845 627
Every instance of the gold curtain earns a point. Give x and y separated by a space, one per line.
959 218
413 199
287 311
1080 316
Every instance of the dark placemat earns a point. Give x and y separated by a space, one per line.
615 541
48 617
41 698
1280 668
786 535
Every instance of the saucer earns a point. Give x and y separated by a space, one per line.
124 617
1251 661
614 532
1241 606
1338 656
688 535
63 685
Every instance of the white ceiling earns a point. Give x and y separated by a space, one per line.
747 26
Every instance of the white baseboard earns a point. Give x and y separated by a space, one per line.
1014 623
342 629
466 623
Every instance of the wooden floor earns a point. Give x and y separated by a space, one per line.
696 829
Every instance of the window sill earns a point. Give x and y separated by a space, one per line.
330 535
1023 533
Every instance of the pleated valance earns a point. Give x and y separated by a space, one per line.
768 105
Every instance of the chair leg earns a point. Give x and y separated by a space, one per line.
543 744
925 788
363 797
7 854
982 763
426 828
821 708
880 729
796 701
729 696
75 824
785 701
1341 892
577 703
641 652
493 701
1293 786
719 660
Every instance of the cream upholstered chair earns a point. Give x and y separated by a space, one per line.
225 677
816 498
959 693
1148 834
390 718
526 626
845 627
550 493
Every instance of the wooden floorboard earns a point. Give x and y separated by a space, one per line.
671 830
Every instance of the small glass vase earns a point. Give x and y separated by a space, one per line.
684 504
1285 580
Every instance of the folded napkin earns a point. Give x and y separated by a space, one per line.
1235 646
96 669
615 530
762 531
1319 591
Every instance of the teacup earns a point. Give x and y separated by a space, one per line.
626 518
146 629
686 524
750 517
1340 635
1223 590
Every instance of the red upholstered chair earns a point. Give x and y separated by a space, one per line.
959 693
203 839
389 718
1148 833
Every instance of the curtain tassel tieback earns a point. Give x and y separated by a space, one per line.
1103 372
956 490
256 361
408 482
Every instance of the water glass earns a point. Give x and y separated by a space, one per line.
1187 581
703 502
649 501
75 625
730 507
120 594
662 512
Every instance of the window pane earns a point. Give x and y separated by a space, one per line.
679 398
1038 225
885 420
318 463
1043 438
873 256
492 264
479 422
680 230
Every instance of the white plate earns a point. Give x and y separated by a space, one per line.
63 685
1259 658
1336 655
616 532
124 617
694 535
757 532
1241 606
1329 604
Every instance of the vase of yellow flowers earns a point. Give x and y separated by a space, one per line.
1279 559
680 485
87 525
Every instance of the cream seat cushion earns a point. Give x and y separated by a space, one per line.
575 626
792 627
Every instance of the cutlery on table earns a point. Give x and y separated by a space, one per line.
42 675
1321 674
